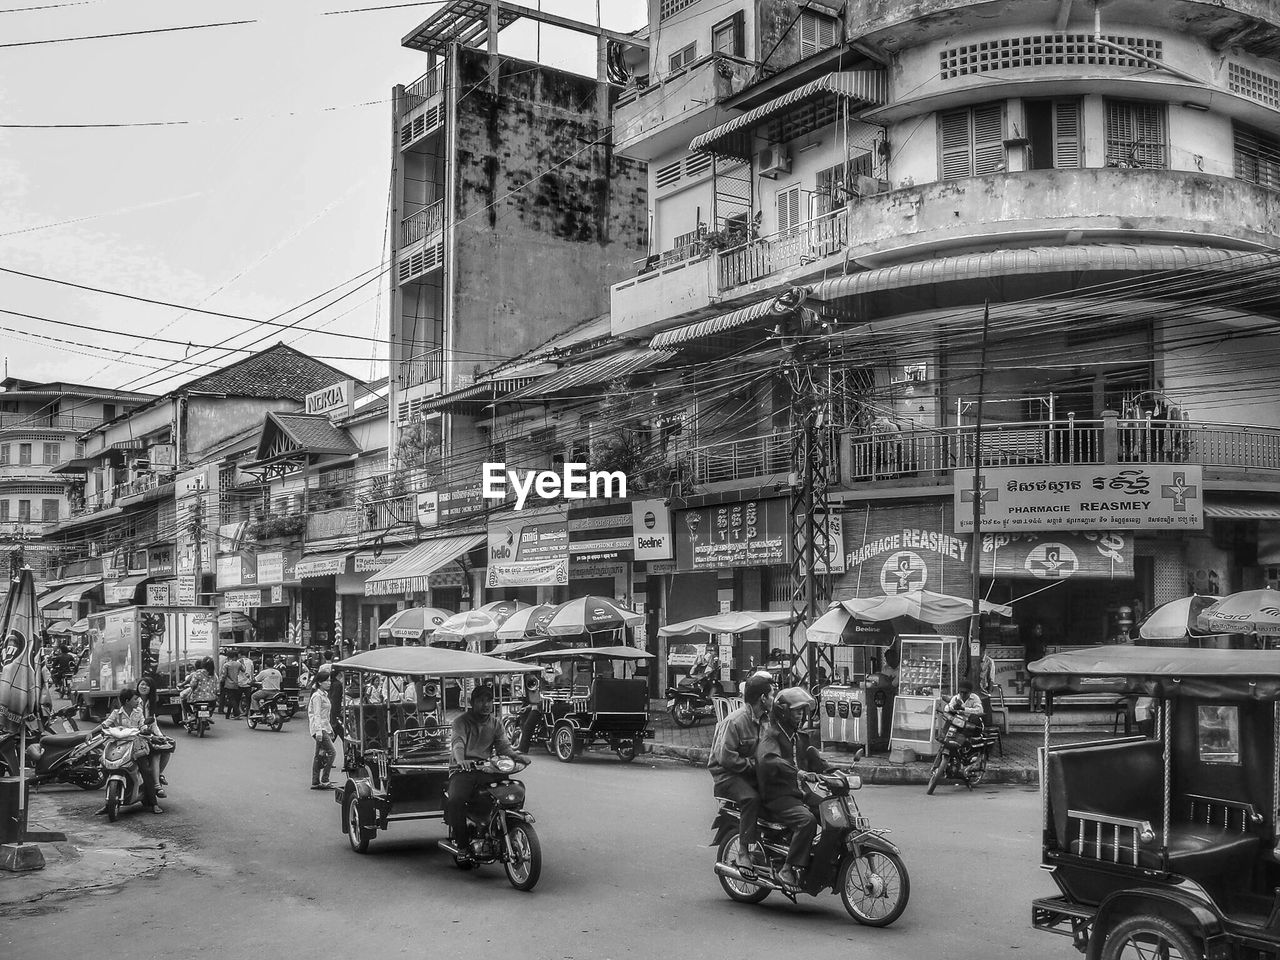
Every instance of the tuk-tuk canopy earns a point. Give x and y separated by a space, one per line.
734 622
591 653
273 646
429 662
1161 672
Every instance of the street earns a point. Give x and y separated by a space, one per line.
263 870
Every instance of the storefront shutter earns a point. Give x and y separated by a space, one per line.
1066 133
988 138
953 144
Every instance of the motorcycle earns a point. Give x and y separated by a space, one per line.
963 753
120 768
197 717
501 829
691 698
273 711
54 755
848 856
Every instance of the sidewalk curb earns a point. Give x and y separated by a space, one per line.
872 773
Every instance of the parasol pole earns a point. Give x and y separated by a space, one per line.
975 554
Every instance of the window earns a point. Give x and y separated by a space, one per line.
788 209
971 141
682 58
1257 157
1136 135
1053 132
4 453
839 184
817 33
24 511
24 454
52 453
728 36
4 511
1218 734
669 8
49 511
108 411
79 449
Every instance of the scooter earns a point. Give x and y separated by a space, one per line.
501 829
120 768
273 711
963 753
55 757
197 717
848 857
691 698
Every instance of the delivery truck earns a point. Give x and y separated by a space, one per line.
132 642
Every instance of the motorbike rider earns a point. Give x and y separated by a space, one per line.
130 713
706 669
200 687
966 706
784 757
269 680
476 736
733 761
63 664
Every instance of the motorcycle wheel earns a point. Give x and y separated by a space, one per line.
523 871
935 775
251 721
276 724
976 775
511 729
737 891
95 779
683 714
201 726
113 801
566 744
357 834
875 888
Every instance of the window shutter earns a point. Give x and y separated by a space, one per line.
817 33
988 138
1066 133
788 209
739 34
953 144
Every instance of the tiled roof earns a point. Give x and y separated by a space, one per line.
277 373
310 432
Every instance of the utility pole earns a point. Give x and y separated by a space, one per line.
975 551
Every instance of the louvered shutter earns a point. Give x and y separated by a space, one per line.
739 34
953 144
1066 133
788 209
988 138
817 33
1149 123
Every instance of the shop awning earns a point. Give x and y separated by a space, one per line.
124 589
774 307
69 594
474 398
1241 510
323 565
796 113
409 573
76 465
369 561
587 373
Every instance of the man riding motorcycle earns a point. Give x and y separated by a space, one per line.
476 736
966 707
733 761
784 757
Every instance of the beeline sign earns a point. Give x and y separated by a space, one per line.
651 530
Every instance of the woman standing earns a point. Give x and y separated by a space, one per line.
318 710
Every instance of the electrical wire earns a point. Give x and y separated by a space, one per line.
127 33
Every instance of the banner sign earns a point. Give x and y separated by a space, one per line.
459 500
158 594
580 569
1101 497
241 599
891 550
246 569
828 547
1058 556
530 573
752 533
651 530
530 548
604 533
367 562
186 592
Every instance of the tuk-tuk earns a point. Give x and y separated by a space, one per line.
587 701
396 754
265 653
1166 847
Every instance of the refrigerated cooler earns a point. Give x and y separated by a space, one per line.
926 681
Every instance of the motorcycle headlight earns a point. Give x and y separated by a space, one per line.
833 814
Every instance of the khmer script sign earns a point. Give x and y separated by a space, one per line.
1101 497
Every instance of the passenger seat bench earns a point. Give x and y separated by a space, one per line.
1105 799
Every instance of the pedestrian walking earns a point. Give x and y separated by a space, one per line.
232 681
318 712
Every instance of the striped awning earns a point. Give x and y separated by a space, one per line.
773 308
409 574
795 114
323 565
590 373
478 395
1241 510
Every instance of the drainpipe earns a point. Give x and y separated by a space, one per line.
1160 64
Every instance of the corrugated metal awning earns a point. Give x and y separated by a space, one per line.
125 589
478 394
323 565
773 308
591 372
1136 258
409 573
797 113
71 594
1241 510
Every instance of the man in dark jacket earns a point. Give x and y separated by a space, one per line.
783 757
733 760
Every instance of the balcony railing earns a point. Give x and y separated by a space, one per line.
424 368
30 471
424 223
142 484
44 421
802 244
397 512
426 86
332 524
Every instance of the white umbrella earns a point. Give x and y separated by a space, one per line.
481 622
734 622
522 624
1175 619
588 615
1249 611
923 605
416 623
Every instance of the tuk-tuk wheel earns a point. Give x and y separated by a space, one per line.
357 834
566 743
628 752
1148 936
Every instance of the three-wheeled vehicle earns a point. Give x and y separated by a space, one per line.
1166 848
265 653
396 756
589 701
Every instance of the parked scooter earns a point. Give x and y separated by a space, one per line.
963 752
691 698
274 711
120 768
849 857
55 756
197 717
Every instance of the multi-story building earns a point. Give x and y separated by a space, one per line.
40 426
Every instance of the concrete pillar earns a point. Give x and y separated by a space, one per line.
1110 436
493 47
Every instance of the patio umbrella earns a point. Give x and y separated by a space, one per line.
923 605
81 626
734 622
1175 619
1249 611
61 628
522 625
588 615
481 622
416 623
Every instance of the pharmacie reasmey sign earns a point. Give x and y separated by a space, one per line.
1100 497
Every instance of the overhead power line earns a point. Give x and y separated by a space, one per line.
126 33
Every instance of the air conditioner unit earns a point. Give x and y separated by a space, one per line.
870 186
772 161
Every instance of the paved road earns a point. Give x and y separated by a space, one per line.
265 871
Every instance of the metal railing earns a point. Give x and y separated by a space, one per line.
44 421
804 243
142 484
426 86
425 222
739 459
389 514
424 367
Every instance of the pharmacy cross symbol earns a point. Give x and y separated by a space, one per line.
984 494
1053 562
1179 492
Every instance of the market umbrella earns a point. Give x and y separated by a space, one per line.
587 615
416 623
1249 611
1175 619
60 628
734 622
19 645
478 623
522 625
923 605
81 626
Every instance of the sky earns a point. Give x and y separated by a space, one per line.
265 187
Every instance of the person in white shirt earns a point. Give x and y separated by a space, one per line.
269 680
967 707
318 710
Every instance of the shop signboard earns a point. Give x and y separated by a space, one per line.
249 569
1098 497
458 500
335 400
530 548
828 547
750 533
241 599
1104 555
158 594
584 569
898 549
186 592
428 508
160 561
600 533
651 530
